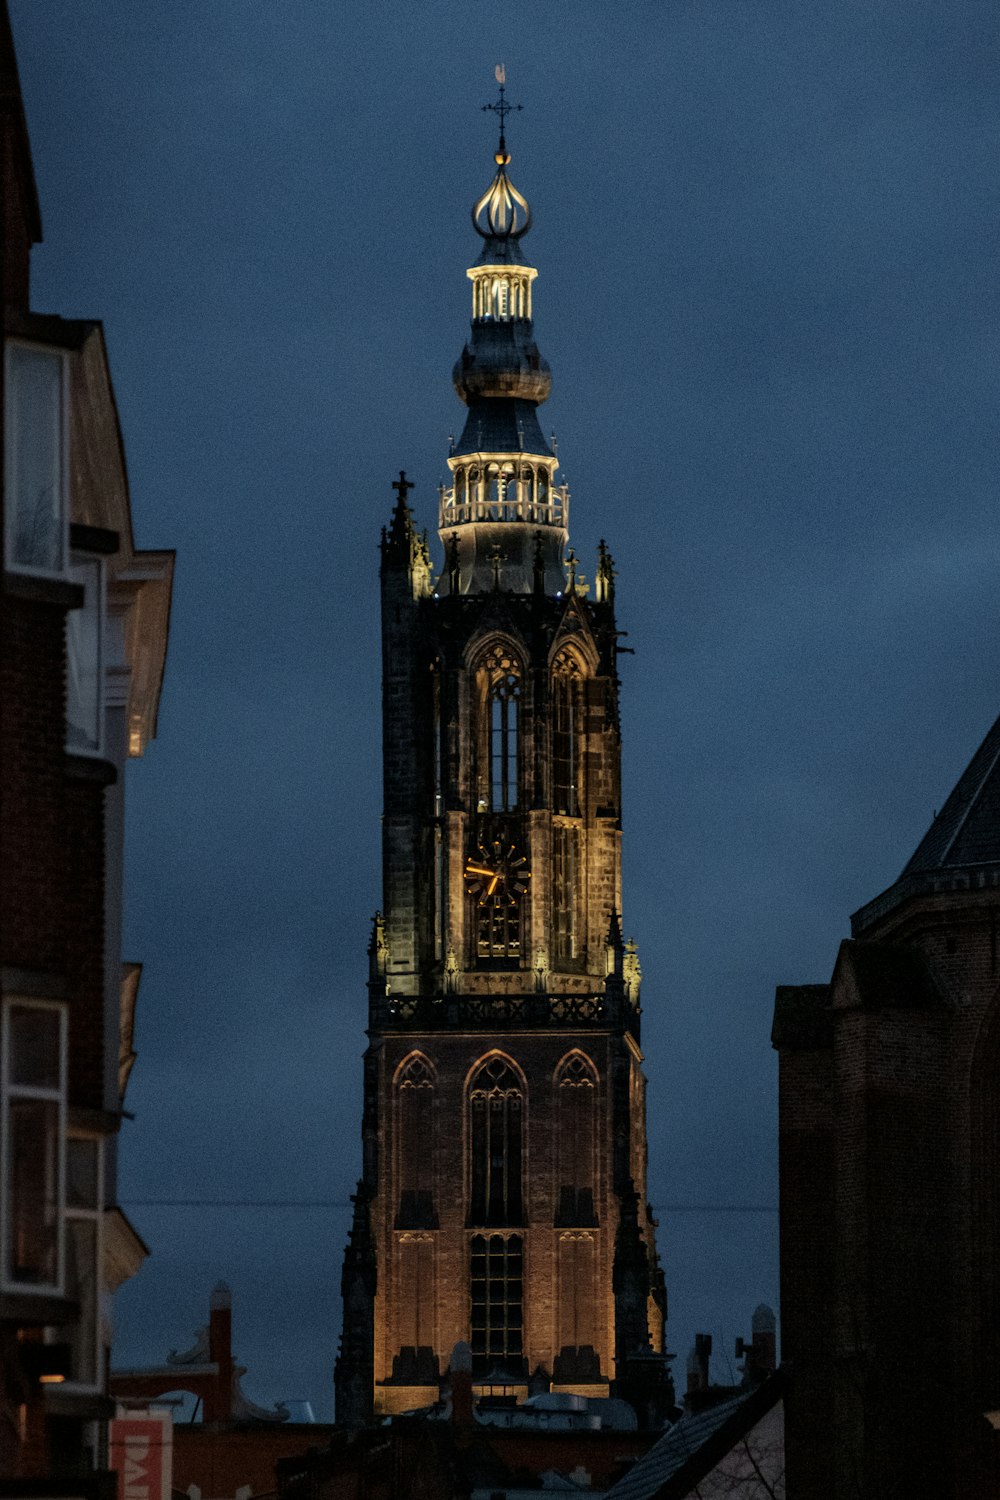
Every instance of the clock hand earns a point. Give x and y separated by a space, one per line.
493 885
477 870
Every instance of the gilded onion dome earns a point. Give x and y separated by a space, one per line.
501 358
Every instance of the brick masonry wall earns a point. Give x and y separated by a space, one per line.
453 1058
33 868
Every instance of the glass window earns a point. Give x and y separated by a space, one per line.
83 659
35 1046
498 690
32 1248
84 1202
32 1129
497 1304
35 443
503 743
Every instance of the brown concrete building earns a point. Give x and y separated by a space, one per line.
503 1198
890 1179
83 631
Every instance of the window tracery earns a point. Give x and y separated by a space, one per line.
415 1125
499 693
576 1108
495 1128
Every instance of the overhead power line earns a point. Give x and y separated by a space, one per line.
326 1203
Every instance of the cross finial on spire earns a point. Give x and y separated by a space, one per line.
502 109
402 486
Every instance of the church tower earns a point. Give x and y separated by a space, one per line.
503 1198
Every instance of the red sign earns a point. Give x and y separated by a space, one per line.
141 1450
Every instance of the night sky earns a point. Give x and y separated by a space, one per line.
766 239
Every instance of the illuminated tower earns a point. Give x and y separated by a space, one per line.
503 1200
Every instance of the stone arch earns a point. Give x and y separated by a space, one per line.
575 1065
574 654
488 1057
415 1060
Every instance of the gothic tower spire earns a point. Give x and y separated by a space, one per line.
503 492
503 1204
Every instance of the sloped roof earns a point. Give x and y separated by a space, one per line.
967 829
695 1444
961 849
647 1476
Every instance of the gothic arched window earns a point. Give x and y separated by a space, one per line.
414 1135
498 691
495 1123
576 1131
567 686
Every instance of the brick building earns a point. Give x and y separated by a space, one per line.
83 631
234 1447
890 1178
503 1198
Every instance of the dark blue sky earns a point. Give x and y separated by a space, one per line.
766 236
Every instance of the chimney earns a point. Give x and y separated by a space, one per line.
760 1356
697 1364
220 1352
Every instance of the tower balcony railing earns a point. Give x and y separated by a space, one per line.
509 507
597 1010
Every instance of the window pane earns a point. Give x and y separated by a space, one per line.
34 439
81 1284
81 1173
34 1047
83 661
31 1252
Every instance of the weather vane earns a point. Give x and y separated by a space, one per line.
502 108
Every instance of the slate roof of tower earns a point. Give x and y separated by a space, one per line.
498 425
967 829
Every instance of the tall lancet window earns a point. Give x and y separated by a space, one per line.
576 1108
498 683
495 1126
566 705
415 1145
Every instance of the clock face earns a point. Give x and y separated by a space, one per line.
497 874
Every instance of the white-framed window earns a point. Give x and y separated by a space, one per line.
33 1046
84 1281
84 658
36 449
